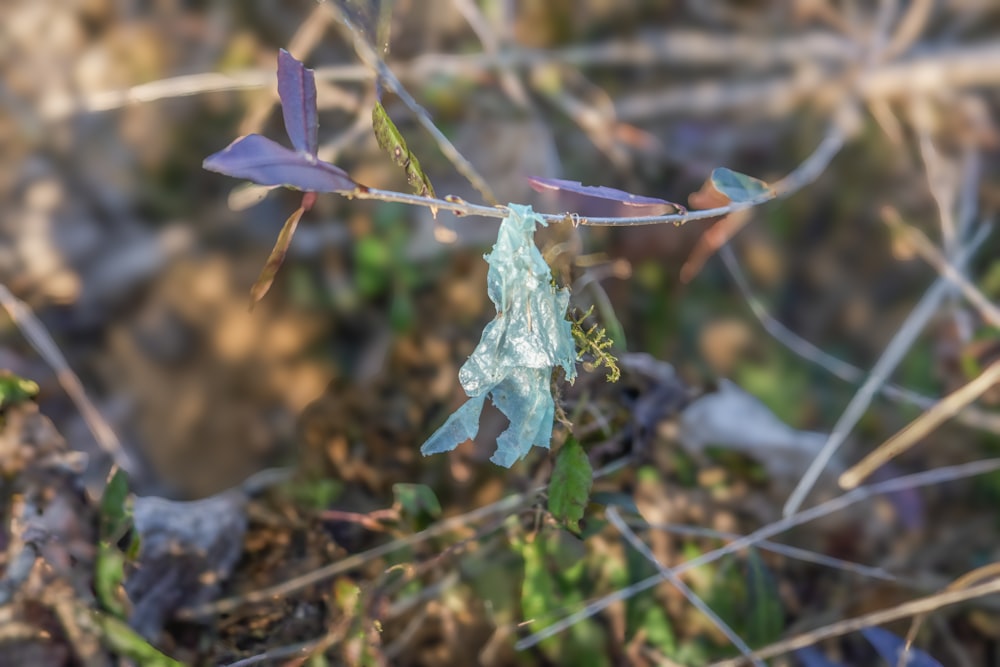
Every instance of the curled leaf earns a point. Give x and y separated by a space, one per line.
392 142
267 162
602 194
739 187
276 258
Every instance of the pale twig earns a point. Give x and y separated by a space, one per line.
909 28
492 43
971 417
968 579
807 172
673 47
300 650
891 356
370 57
677 47
669 575
932 73
508 504
881 33
906 482
942 176
789 551
920 606
989 311
916 430
38 337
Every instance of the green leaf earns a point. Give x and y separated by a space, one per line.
765 616
556 577
122 639
373 265
109 566
115 513
391 141
416 499
739 187
569 489
14 389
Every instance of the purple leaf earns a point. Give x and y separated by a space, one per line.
889 646
600 194
810 656
297 90
266 162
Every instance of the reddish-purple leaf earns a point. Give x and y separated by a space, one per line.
266 162
600 194
297 90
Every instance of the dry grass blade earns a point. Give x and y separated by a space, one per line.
891 357
921 426
946 269
38 337
922 605
965 581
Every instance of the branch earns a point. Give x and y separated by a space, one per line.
370 57
803 175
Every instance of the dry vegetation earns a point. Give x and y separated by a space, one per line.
763 353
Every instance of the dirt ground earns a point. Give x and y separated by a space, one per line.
273 506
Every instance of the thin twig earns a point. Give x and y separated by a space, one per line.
933 256
891 356
916 430
787 550
807 172
370 57
971 417
917 480
38 337
919 606
669 575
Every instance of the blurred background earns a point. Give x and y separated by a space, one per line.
139 264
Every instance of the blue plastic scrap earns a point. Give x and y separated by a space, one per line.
519 349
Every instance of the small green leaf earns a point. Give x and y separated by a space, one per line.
373 265
391 141
569 489
109 572
115 513
766 618
416 499
14 389
122 639
109 566
739 187
276 258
